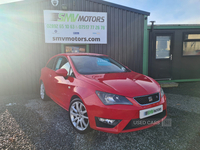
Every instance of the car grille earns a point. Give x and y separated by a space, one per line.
145 100
137 123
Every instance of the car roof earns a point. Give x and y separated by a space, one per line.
80 54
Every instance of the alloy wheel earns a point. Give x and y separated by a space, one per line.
42 91
78 116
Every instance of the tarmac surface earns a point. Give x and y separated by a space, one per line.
26 122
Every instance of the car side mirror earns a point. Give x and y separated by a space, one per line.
62 72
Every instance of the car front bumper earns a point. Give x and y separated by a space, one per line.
127 114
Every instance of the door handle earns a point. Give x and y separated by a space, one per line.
171 57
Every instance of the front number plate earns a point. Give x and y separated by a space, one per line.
151 111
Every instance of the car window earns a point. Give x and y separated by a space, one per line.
97 65
50 65
58 63
63 63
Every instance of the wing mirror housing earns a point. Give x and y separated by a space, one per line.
62 72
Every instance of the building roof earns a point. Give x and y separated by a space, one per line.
175 26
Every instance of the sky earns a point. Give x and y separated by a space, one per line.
161 11
166 11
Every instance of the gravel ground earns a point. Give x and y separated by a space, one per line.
26 122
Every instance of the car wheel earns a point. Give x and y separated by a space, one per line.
43 95
78 116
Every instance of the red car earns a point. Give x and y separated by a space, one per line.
102 94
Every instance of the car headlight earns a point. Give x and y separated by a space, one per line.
162 93
112 99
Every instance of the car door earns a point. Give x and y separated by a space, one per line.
63 86
47 75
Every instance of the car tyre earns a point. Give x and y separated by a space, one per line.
78 116
43 95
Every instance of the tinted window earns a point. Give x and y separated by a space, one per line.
50 65
97 65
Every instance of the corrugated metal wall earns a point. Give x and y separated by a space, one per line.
23 51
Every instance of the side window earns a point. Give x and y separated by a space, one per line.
50 65
191 44
68 68
62 63
58 63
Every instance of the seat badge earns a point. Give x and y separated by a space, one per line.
150 98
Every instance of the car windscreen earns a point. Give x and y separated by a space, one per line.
97 65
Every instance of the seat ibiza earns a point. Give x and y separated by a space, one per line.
102 94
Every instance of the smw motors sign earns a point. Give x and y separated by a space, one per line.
63 17
75 27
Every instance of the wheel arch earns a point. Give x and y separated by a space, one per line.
82 93
74 96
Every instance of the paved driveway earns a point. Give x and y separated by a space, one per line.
26 122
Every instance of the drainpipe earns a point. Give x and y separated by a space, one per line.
152 25
145 48
151 46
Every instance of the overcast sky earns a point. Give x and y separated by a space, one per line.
167 11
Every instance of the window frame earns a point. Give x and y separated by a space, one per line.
189 40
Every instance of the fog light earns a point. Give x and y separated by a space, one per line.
108 121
